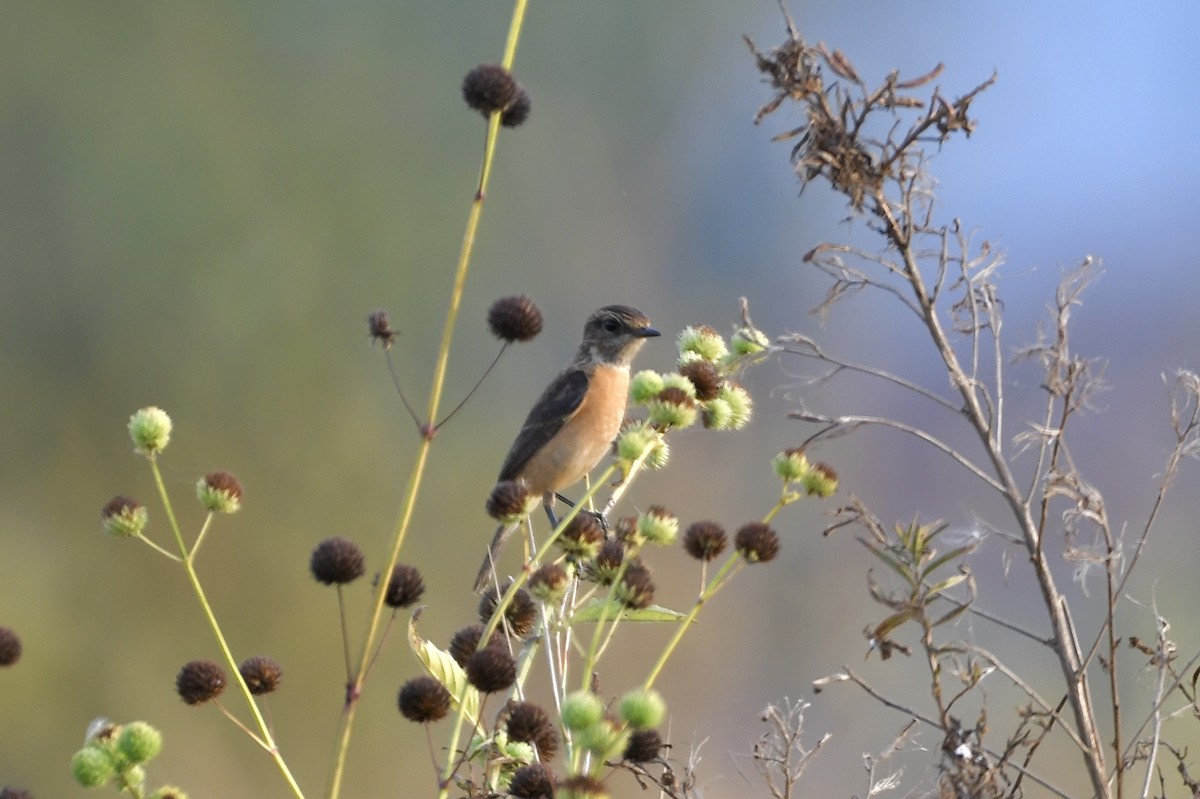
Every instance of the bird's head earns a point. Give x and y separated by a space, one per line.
614 334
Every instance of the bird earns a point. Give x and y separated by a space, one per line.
573 423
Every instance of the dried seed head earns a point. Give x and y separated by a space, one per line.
424 699
534 781
491 669
380 329
581 540
548 583
510 501
261 673
199 681
756 542
704 540
643 746
489 88
521 613
518 111
337 561
405 587
529 723
636 589
515 319
10 647
705 377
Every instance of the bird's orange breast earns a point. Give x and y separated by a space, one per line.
585 438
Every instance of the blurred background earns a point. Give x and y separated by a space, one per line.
200 203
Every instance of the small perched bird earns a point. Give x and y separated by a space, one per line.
574 422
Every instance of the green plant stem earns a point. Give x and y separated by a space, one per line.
354 688
714 585
190 569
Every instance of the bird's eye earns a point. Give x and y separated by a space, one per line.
612 324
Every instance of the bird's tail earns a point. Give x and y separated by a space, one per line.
489 562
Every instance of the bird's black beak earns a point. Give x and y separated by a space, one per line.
646 332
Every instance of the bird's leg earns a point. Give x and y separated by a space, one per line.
599 516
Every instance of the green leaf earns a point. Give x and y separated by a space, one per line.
443 668
601 609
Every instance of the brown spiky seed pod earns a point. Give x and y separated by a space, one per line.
636 589
704 540
643 746
199 681
529 723
535 781
515 115
491 669
521 613
380 329
508 502
756 542
336 561
705 377
405 587
424 699
489 88
10 647
262 674
514 318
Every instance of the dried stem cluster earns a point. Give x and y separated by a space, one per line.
870 143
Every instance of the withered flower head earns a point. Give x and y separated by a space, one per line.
636 589
381 329
704 540
509 501
704 377
515 115
581 540
489 88
491 669
405 587
199 681
535 781
529 723
757 543
643 746
521 613
261 673
336 561
424 699
514 319
10 647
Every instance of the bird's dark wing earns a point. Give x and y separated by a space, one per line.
554 408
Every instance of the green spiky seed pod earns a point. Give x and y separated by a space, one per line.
791 465
741 406
139 742
219 492
821 481
123 517
658 526
642 708
704 341
93 767
644 386
580 710
673 408
150 429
